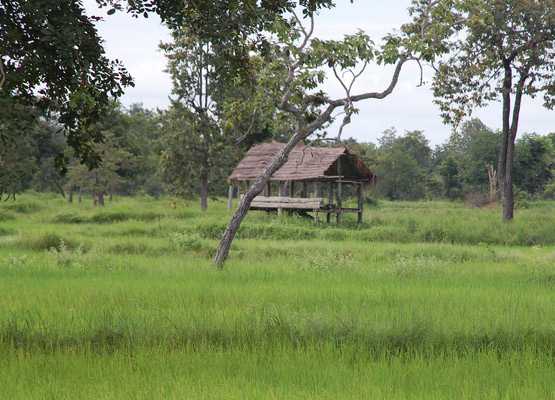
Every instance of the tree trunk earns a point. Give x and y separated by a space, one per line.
204 173
203 193
80 193
70 197
507 150
60 188
492 176
225 243
300 133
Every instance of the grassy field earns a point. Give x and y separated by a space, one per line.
422 300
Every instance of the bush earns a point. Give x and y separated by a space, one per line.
46 241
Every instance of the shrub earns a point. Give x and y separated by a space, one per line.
47 241
183 241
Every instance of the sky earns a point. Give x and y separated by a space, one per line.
410 107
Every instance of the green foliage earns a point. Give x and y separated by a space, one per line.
403 165
47 240
53 61
534 163
450 174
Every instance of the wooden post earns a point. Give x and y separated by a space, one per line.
291 188
280 194
316 193
230 198
339 200
360 201
267 189
305 191
330 201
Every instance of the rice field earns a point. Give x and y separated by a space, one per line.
427 300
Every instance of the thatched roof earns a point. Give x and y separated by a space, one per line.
304 163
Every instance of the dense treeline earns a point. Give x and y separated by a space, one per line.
146 152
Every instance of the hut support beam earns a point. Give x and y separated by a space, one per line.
230 198
339 202
316 193
281 190
360 202
330 201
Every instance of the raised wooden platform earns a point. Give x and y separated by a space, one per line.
286 203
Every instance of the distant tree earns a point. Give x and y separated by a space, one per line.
534 163
449 172
196 72
460 140
182 156
489 49
403 166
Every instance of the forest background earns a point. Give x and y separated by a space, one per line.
146 153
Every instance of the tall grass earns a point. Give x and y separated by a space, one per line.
413 303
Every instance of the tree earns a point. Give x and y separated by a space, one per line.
52 60
489 50
183 160
403 166
196 72
292 65
450 173
534 162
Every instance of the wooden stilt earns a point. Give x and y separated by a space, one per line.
330 201
360 201
316 194
281 190
230 198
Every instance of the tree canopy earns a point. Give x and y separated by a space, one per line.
52 60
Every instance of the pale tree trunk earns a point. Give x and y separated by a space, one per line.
204 175
492 176
70 196
80 193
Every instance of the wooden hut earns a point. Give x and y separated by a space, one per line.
312 180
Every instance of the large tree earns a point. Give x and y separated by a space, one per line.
292 65
52 59
489 50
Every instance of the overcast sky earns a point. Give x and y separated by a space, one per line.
409 107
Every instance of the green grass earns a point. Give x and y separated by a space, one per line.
423 300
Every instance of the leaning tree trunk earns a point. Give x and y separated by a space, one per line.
229 233
300 134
